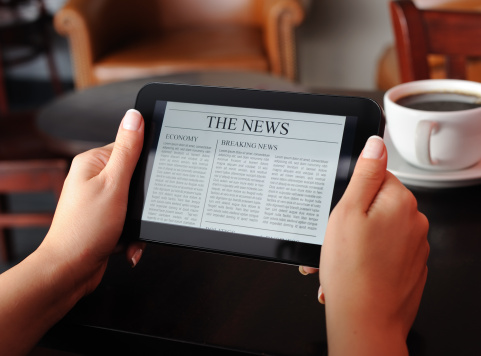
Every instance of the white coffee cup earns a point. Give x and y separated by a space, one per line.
435 140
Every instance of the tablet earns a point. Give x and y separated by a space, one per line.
244 172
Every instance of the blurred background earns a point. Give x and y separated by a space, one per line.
339 43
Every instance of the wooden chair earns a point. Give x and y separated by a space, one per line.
113 40
26 177
438 42
22 38
25 164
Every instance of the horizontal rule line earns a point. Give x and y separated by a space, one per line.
244 134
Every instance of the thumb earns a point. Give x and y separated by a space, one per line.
369 174
127 146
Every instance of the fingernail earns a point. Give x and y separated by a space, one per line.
320 296
374 148
303 272
132 120
136 257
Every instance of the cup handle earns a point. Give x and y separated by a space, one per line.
424 130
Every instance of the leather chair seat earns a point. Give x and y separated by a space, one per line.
185 50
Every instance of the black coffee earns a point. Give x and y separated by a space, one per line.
435 101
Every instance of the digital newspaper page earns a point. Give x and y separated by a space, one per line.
258 172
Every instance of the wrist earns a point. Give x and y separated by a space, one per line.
35 294
71 271
77 269
57 278
362 332
366 341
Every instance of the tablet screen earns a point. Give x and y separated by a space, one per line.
245 172
265 173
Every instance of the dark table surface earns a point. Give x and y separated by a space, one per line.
89 118
179 301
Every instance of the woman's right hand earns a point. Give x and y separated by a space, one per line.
373 261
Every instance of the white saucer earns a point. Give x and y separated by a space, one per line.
411 175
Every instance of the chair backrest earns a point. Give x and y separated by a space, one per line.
30 176
419 33
25 177
153 15
185 13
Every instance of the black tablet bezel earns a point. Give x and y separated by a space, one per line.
370 121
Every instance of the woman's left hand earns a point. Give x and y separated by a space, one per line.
91 211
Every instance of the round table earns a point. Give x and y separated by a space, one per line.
89 118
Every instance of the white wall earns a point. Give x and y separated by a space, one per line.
341 41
